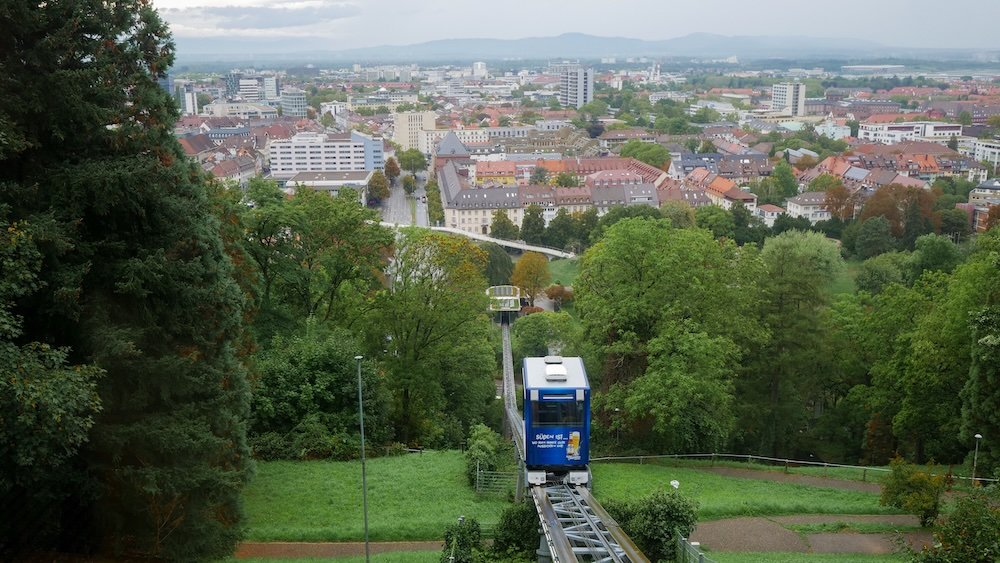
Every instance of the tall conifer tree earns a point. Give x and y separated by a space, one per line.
135 277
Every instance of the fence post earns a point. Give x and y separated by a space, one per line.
748 459
786 466
477 476
825 469
713 460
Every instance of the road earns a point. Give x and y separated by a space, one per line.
396 209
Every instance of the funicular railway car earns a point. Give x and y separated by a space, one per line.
556 420
505 301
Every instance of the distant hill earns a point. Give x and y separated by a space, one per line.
568 45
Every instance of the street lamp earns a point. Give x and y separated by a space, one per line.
364 481
975 458
618 426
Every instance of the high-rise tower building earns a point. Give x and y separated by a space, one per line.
789 98
576 86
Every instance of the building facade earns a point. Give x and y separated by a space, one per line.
293 102
576 86
320 152
407 127
892 133
789 98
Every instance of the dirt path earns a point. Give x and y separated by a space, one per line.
770 534
289 550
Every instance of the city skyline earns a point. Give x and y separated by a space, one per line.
291 25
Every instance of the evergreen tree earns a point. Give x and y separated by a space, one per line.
533 225
502 227
135 278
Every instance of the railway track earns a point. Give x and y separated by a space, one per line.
575 525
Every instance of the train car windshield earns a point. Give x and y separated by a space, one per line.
557 413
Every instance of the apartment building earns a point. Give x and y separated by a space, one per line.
892 133
320 152
789 98
811 205
407 127
576 86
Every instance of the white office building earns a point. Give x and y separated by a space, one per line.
479 70
789 98
321 152
293 102
408 125
272 91
576 86
188 99
892 133
250 89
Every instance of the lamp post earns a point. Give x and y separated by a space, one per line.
975 458
618 426
364 481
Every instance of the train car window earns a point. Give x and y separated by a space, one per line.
557 413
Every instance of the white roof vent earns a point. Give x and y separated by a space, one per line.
553 359
555 372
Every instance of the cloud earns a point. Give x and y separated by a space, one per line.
278 18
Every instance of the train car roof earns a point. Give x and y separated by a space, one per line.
555 372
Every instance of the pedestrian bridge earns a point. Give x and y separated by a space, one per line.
550 252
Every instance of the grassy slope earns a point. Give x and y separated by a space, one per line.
564 271
721 497
413 497
400 557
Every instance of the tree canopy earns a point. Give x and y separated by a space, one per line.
138 281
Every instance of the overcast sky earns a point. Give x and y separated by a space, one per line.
344 24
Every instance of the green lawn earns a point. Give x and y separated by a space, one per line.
564 270
844 281
399 557
721 497
412 497
737 557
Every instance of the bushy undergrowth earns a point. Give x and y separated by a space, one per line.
654 521
917 492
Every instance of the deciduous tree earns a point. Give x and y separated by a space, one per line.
378 186
531 274
392 170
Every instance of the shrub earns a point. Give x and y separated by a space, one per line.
516 534
971 533
654 521
485 451
311 439
270 446
914 491
464 540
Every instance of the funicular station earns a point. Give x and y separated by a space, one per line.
552 439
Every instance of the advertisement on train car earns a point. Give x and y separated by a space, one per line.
555 446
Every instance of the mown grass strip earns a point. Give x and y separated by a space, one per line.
721 497
412 497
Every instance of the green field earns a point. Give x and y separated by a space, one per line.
412 497
844 280
399 557
722 497
564 270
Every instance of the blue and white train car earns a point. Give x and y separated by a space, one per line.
556 419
